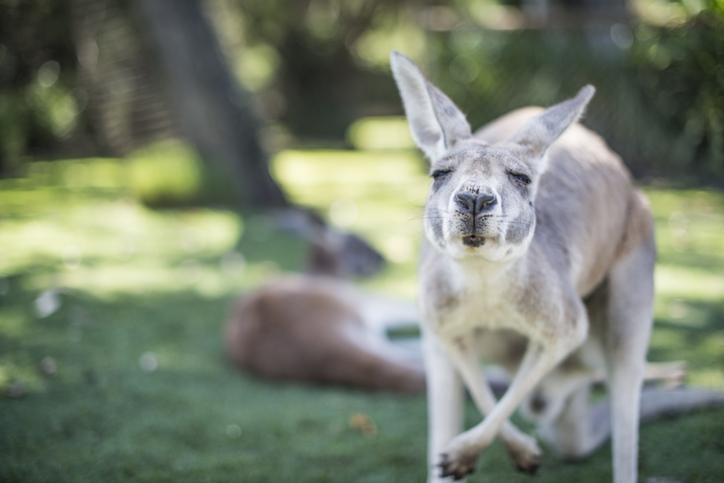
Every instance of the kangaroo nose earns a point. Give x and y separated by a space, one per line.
484 202
477 204
465 202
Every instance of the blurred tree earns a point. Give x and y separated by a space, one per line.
56 58
320 77
680 72
128 101
311 67
214 112
40 108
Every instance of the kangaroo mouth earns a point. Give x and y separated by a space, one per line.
473 240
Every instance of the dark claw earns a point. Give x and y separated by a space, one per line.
446 471
528 465
531 469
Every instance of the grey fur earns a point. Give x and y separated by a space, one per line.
555 282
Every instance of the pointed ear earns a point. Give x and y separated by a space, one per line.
540 132
435 122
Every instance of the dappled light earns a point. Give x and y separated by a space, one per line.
380 133
94 237
158 159
98 284
79 252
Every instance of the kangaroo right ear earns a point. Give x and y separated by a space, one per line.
540 132
435 122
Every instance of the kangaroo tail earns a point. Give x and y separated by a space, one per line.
660 403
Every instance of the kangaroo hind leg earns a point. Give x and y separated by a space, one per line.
625 339
579 429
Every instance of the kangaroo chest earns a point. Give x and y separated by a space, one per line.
480 307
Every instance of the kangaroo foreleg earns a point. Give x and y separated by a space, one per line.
522 448
461 453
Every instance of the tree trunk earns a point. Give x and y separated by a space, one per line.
214 112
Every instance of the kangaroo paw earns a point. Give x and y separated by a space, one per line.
527 462
457 468
525 454
460 456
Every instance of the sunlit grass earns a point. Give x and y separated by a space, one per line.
110 246
380 133
378 194
143 391
689 305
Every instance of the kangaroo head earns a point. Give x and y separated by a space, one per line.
482 196
345 255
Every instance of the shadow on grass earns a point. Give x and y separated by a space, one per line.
697 338
710 319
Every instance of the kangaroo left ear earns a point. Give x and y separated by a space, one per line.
540 132
435 122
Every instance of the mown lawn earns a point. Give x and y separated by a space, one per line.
112 366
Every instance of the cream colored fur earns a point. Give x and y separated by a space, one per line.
539 256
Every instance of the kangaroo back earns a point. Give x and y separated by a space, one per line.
311 328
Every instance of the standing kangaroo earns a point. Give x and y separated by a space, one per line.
540 255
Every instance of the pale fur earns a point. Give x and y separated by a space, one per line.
553 279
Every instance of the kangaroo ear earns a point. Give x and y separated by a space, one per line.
435 122
540 132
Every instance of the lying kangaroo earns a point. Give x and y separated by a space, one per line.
317 327
539 255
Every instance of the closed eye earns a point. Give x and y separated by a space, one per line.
440 173
523 178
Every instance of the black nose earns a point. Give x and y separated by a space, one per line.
475 203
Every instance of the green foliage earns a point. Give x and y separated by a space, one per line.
659 101
681 76
38 97
316 66
318 59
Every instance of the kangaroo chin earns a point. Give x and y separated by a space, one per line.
473 241
540 255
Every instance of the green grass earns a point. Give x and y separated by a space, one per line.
144 392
